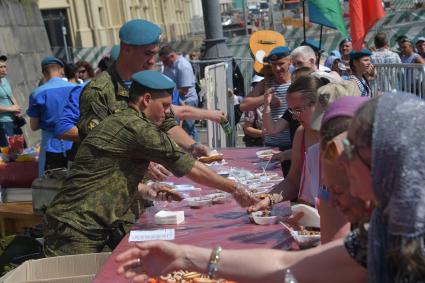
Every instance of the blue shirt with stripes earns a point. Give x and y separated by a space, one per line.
281 139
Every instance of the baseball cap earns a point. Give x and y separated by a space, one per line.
327 94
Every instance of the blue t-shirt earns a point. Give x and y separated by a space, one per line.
181 72
47 103
5 97
70 114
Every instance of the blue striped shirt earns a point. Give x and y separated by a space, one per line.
281 139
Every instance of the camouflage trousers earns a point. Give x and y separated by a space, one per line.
63 239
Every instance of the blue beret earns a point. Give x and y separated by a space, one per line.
153 80
115 52
312 43
359 54
51 60
278 53
140 32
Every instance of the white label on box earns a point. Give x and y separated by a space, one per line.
150 235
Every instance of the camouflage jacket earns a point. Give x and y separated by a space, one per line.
106 94
101 189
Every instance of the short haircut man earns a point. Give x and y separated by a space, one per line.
380 40
303 56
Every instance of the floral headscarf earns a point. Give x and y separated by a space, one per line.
398 172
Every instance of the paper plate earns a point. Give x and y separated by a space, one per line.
265 154
311 217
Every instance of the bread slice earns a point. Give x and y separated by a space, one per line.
212 158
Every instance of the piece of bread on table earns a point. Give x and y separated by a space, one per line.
212 157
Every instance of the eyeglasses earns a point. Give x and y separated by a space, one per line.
296 112
350 149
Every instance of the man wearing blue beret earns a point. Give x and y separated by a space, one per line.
46 104
99 202
361 65
277 84
108 93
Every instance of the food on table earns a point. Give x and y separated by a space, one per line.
216 198
170 193
309 231
184 276
197 202
263 217
307 237
213 156
265 174
265 154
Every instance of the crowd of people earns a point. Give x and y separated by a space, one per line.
354 155
341 64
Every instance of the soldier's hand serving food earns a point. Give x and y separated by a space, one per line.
158 192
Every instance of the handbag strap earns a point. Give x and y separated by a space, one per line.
8 96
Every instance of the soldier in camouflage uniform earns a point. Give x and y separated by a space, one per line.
99 201
108 93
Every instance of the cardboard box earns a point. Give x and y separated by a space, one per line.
80 268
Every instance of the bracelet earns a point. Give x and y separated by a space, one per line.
213 262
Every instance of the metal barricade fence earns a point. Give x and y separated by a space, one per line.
399 77
218 78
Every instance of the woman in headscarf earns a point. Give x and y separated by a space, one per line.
385 161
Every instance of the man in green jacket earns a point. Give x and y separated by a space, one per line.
99 202
107 93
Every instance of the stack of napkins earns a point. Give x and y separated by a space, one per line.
169 217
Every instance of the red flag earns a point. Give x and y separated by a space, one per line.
363 15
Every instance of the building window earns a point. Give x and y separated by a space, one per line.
102 17
54 20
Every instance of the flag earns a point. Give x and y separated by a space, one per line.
363 15
327 13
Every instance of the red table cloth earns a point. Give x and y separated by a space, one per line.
18 174
225 224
